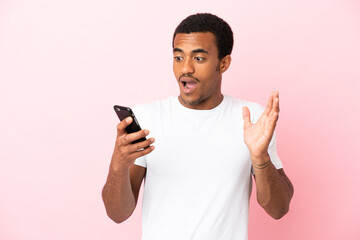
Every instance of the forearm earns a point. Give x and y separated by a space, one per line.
274 191
118 196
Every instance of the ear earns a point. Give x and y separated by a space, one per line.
225 63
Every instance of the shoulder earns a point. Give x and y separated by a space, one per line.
240 103
158 104
155 108
255 108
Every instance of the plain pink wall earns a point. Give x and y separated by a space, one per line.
64 64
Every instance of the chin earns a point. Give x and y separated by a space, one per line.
191 101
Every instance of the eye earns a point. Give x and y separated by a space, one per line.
199 59
178 58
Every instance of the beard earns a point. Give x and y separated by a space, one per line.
193 102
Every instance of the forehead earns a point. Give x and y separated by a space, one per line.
191 41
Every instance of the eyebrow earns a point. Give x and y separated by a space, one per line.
199 50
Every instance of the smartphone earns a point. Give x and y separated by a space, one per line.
124 112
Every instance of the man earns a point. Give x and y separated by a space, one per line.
198 179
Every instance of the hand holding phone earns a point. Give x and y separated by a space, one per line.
124 112
130 141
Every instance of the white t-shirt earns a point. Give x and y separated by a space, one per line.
198 178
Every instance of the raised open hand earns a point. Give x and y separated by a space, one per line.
257 136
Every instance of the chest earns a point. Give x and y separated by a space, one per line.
199 148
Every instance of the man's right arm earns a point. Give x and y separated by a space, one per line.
122 186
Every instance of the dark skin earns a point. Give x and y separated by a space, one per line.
196 63
195 58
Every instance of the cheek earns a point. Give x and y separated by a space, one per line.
175 70
209 73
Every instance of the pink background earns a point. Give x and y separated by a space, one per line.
64 64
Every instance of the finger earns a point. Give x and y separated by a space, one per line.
136 146
246 117
276 94
273 121
275 105
269 105
141 153
122 125
129 138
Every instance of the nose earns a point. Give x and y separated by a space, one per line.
187 67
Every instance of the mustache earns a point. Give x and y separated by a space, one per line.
187 75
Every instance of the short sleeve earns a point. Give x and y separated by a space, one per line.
141 161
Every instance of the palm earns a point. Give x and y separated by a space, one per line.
257 136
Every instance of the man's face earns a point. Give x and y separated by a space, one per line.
197 69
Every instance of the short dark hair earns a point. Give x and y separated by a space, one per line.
206 22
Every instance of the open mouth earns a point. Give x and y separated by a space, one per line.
188 85
188 82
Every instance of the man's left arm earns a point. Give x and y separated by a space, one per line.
273 188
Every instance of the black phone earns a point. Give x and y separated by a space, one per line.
124 112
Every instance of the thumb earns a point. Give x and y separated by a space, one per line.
246 117
121 127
